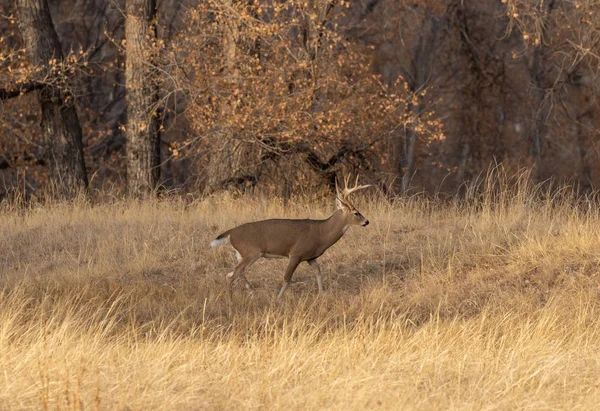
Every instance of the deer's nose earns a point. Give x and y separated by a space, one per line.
366 223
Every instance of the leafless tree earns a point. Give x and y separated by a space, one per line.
143 139
59 122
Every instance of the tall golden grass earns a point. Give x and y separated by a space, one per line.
488 304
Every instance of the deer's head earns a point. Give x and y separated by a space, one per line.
353 216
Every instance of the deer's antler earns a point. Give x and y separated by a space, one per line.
347 190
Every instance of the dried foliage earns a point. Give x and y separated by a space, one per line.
282 96
278 93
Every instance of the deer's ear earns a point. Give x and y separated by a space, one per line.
340 204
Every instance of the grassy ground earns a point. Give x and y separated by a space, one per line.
492 304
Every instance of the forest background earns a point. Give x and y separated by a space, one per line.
282 96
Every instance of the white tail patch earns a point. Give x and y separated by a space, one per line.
219 241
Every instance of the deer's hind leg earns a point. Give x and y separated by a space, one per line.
238 272
238 257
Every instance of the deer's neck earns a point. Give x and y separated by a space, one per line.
334 228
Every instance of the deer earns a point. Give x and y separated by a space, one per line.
298 240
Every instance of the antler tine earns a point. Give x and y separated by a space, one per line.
348 191
346 181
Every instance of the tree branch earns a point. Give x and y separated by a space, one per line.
19 89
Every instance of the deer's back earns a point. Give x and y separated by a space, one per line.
277 237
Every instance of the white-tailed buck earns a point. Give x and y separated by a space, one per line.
300 240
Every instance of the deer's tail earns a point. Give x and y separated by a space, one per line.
220 240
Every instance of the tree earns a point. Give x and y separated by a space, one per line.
143 139
562 49
276 96
409 47
59 121
301 101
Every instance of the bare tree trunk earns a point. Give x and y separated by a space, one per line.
226 155
408 168
60 124
143 140
541 106
585 175
464 158
312 38
417 73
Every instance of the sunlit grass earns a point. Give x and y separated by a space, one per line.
488 304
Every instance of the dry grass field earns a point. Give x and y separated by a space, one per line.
492 304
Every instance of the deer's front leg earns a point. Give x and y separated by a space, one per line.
315 265
289 271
